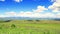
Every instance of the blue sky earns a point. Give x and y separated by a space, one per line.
19 7
24 5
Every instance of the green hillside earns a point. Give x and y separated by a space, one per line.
30 27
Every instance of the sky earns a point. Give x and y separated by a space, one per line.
30 8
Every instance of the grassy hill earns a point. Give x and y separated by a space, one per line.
30 27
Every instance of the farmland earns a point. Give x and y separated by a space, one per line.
30 27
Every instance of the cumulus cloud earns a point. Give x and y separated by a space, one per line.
55 7
28 14
37 15
34 14
18 0
11 14
2 0
58 15
3 16
53 0
31 15
25 14
40 9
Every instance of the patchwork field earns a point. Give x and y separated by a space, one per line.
30 27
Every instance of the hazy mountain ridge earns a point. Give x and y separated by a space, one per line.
27 18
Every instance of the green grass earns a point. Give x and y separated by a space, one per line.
30 27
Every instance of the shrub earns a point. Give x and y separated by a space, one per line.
13 26
0 27
7 21
29 20
37 20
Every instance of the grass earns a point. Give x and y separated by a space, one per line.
30 27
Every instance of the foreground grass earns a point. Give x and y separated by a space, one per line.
30 27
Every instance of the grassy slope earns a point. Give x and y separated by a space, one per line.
30 27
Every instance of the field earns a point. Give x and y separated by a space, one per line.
30 27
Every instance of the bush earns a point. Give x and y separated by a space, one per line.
29 20
13 26
7 21
37 20
0 27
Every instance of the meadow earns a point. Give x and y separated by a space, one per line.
30 27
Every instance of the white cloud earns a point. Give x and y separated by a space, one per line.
53 0
40 9
55 7
11 14
58 15
25 14
35 14
3 16
58 1
2 0
31 15
18 0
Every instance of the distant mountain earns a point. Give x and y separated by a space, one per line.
57 19
27 18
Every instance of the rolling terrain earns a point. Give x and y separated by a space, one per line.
30 27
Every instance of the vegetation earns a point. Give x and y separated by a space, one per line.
30 27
